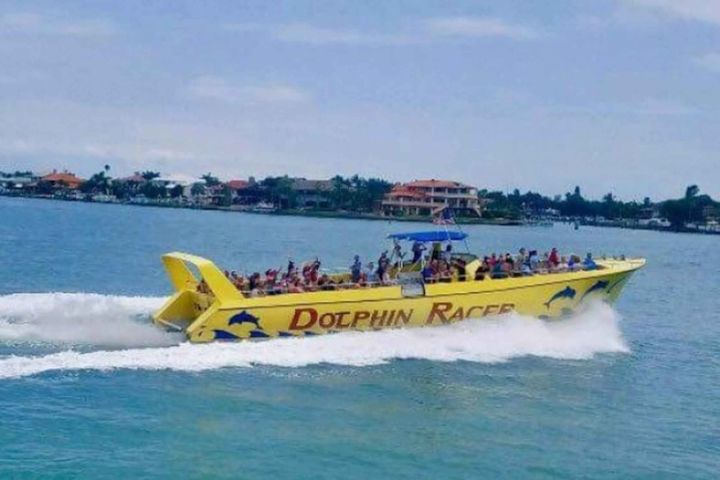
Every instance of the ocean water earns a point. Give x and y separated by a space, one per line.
89 389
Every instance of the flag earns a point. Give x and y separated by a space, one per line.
445 217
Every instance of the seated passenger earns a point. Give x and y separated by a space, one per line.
370 273
563 266
444 273
554 258
525 270
295 286
447 254
493 260
427 274
589 263
460 265
497 271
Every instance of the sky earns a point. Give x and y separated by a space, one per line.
618 96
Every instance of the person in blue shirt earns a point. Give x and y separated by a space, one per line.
427 273
589 263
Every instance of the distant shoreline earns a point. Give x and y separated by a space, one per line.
370 216
278 212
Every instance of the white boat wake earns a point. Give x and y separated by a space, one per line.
80 319
109 321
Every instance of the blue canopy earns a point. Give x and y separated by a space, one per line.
432 236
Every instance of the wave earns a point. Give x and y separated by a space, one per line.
81 319
594 331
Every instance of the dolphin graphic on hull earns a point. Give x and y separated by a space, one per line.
599 285
244 317
566 292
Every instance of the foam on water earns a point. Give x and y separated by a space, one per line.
80 319
594 331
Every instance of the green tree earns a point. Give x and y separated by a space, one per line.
210 180
197 189
149 175
176 191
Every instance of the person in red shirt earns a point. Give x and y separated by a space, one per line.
554 258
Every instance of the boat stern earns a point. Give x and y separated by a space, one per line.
201 289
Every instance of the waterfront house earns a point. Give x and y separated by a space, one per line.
245 192
312 193
18 182
428 197
61 181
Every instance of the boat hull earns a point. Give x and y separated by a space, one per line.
224 315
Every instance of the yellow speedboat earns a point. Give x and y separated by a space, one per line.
207 306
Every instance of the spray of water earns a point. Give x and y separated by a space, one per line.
80 319
593 331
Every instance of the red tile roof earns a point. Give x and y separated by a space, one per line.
435 184
237 184
65 177
403 191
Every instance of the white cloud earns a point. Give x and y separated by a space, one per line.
478 27
304 33
216 88
36 24
711 61
700 10
424 31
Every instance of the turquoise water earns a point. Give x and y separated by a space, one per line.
89 389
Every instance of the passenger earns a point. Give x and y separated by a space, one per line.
480 274
493 260
447 254
589 263
460 265
525 270
291 268
325 283
497 271
428 274
563 266
534 261
485 265
295 286
521 258
553 259
397 253
371 273
444 273
314 271
417 248
254 281
383 265
507 265
356 270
